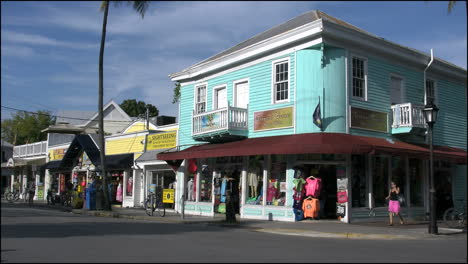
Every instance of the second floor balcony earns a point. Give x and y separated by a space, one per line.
30 150
225 124
406 117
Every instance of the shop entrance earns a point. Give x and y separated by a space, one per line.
327 173
162 179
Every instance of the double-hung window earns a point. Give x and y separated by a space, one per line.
200 104
280 81
359 77
430 92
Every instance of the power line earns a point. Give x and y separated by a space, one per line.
74 118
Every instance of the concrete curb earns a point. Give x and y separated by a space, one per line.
296 232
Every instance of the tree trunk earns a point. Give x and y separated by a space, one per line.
106 206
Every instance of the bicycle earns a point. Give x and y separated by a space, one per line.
154 203
455 217
66 199
12 196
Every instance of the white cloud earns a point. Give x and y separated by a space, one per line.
17 37
18 51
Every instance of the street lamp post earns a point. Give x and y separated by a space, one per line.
430 114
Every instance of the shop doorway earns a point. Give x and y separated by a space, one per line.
162 179
327 197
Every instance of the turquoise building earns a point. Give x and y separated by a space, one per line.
317 96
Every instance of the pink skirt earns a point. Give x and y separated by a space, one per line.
394 206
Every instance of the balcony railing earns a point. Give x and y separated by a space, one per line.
408 115
28 150
221 119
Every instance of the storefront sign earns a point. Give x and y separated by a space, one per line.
369 120
40 190
168 195
57 154
341 209
273 119
162 140
342 196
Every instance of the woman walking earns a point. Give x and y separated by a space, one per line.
394 204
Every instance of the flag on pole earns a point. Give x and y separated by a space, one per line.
317 116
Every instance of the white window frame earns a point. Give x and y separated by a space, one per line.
364 59
234 90
403 86
273 72
214 96
195 97
436 98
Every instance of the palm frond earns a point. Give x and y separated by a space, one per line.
140 7
451 4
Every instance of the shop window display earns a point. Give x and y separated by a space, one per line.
380 180
206 176
358 171
227 177
190 187
129 187
276 188
255 180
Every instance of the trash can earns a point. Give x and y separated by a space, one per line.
90 198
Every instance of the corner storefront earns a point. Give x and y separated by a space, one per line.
265 175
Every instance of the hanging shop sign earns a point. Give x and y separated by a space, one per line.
341 209
168 195
369 120
342 196
273 119
162 140
57 154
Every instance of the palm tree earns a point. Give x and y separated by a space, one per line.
140 7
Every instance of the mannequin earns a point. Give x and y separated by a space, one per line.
130 186
253 183
119 193
190 190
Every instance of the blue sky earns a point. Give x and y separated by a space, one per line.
49 50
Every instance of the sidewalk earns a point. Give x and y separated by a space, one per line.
307 228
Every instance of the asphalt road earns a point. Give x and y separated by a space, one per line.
44 235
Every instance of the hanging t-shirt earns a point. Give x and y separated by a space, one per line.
313 186
311 207
299 183
298 195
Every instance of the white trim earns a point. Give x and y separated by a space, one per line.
373 44
366 79
402 88
117 137
234 90
273 91
195 90
297 34
347 89
95 116
254 62
214 98
295 88
436 97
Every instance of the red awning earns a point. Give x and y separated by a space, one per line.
326 143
